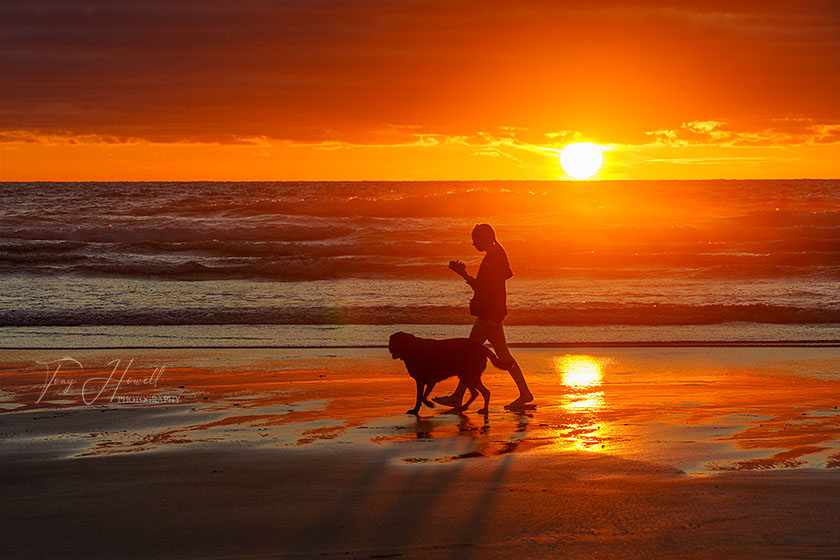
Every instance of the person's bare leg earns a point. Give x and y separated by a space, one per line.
497 339
478 333
525 395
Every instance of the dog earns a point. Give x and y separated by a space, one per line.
429 361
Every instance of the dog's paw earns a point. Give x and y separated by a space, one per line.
413 411
429 403
484 411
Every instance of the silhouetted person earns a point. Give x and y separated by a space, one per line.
489 307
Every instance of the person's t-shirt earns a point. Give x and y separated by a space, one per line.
489 301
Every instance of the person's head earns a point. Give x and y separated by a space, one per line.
483 237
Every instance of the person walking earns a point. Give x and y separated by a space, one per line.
489 306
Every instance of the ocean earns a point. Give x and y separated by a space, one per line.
341 263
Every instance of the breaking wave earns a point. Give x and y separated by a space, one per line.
383 315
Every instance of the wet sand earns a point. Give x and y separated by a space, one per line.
631 453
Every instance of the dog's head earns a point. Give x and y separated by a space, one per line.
399 344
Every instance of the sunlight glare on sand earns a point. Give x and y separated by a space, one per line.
589 401
581 376
579 371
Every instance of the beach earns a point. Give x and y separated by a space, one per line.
201 371
216 217
638 452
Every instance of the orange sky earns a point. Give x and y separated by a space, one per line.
309 90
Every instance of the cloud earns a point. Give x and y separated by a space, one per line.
54 139
782 132
711 160
331 70
510 142
70 138
409 154
826 134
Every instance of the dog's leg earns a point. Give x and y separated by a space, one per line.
473 395
426 401
485 392
419 399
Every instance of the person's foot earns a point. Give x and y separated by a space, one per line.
522 401
448 400
520 407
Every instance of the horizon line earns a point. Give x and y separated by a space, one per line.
622 180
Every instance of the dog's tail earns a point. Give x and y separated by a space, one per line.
498 362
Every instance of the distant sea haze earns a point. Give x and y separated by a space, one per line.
583 253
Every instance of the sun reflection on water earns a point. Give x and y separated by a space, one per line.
582 400
590 401
579 371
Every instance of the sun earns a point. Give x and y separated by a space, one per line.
582 160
